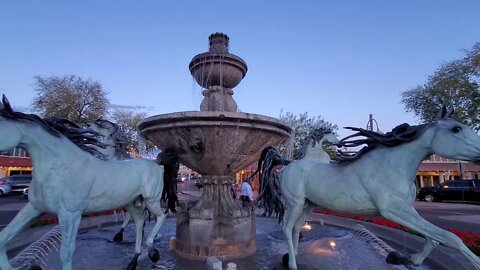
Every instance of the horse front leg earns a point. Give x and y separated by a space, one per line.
69 223
408 216
21 220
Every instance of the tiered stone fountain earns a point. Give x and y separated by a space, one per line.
217 142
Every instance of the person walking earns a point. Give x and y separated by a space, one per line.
246 193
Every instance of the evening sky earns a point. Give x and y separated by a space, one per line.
339 59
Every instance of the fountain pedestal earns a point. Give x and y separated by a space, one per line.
216 225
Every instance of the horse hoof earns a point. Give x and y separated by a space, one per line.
153 255
35 267
119 236
133 263
132 266
397 258
285 260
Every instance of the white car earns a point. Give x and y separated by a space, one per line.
4 188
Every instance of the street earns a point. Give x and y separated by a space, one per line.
9 207
464 217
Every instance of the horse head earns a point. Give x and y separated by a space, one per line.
454 140
331 138
10 134
103 127
319 135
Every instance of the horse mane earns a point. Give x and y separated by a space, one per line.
81 137
399 135
313 138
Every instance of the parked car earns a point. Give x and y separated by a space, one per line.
4 188
198 184
18 182
25 193
454 190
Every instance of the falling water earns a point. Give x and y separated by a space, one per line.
378 244
37 252
289 147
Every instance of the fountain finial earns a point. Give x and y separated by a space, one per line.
218 43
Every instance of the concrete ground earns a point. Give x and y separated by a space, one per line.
399 240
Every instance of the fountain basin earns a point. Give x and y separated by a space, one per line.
225 69
213 142
95 250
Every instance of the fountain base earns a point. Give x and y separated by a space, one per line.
216 225
197 239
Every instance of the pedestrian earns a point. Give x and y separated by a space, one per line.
246 193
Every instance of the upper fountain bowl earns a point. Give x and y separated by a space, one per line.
226 70
217 67
213 142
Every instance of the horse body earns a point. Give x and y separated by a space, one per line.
379 178
69 181
349 188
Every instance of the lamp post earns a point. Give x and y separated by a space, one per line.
370 123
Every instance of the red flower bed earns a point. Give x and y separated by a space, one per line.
471 240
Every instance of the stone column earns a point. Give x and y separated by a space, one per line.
216 225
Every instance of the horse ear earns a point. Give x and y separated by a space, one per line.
6 104
441 114
449 113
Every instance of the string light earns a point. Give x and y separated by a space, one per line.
307 226
332 244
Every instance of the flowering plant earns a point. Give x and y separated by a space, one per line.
471 240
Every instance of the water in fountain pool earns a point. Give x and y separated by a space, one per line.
95 250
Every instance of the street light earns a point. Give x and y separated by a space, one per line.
370 123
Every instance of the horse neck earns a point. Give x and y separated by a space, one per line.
317 153
44 147
406 158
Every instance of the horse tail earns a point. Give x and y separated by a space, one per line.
169 193
171 166
270 195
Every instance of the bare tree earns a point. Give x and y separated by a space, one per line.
127 120
74 98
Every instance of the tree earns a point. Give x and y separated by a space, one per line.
127 121
456 84
302 125
79 100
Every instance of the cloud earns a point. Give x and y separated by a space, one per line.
22 109
132 107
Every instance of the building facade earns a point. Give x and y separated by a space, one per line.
15 161
437 169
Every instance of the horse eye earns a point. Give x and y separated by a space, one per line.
456 129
